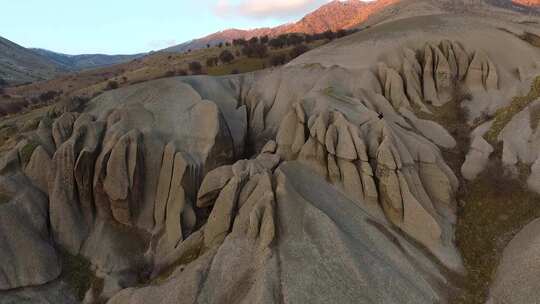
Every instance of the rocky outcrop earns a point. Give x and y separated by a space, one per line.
516 280
28 254
208 189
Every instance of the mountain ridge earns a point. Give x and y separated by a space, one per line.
85 61
335 15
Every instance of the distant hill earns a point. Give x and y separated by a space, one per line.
528 2
333 16
19 65
83 62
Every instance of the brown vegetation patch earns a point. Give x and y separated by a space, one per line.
495 207
4 198
77 273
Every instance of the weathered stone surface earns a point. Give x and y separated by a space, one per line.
28 255
517 277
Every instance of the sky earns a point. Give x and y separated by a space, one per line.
136 26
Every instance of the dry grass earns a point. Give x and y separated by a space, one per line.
27 151
495 208
77 273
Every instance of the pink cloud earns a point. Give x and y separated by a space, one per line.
266 8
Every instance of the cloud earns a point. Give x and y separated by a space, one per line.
266 8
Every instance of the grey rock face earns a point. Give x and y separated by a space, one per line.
304 184
516 280
28 254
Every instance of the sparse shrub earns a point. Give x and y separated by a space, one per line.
330 35
47 96
254 40
27 151
226 56
220 45
77 273
294 39
111 85
255 50
227 44
298 50
235 71
208 46
181 72
195 67
212 61
278 59
277 43
169 74
239 42
341 33
3 82
264 39
4 198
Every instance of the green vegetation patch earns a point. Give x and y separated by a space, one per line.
495 209
531 38
189 256
4 198
27 151
6 132
504 115
77 273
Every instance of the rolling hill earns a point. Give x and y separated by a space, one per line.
19 65
86 61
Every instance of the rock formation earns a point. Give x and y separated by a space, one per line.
311 183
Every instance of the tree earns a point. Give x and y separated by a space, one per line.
255 50
227 44
341 33
220 45
239 42
208 45
277 43
169 74
181 72
294 39
329 35
254 40
3 82
212 61
111 85
226 56
264 39
195 67
298 50
278 59
47 96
